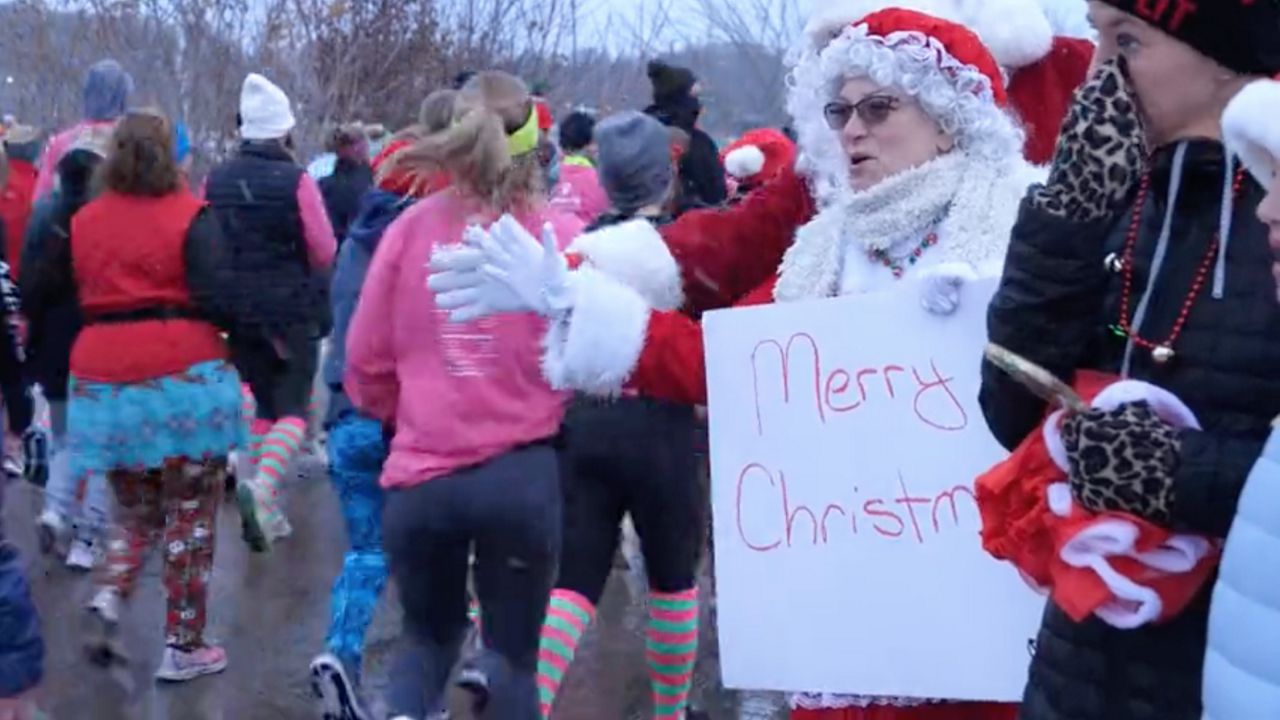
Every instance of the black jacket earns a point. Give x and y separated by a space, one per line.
702 181
342 192
48 291
255 199
1056 306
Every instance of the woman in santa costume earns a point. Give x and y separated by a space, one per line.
918 169
1151 265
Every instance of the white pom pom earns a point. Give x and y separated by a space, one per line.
744 162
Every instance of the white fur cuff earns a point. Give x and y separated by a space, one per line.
1251 128
596 348
635 254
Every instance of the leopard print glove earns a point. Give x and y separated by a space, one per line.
1101 150
1123 460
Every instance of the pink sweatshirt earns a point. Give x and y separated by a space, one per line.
458 394
579 193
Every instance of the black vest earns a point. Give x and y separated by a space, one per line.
255 198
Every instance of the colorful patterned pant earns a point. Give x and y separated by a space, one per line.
357 449
177 504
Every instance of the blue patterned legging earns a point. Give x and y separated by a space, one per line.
357 450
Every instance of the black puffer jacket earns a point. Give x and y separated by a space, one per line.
342 192
1056 306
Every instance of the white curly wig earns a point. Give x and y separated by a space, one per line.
957 96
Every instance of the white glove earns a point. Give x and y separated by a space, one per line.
942 284
456 277
512 272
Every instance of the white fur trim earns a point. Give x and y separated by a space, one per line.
596 347
1058 498
1251 128
1165 404
1017 32
745 162
635 254
1052 432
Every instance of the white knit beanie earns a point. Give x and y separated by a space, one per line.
264 110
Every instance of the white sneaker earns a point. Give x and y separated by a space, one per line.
106 603
332 686
51 528
182 665
83 555
277 527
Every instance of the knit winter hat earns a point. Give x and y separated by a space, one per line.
107 88
670 83
759 155
264 110
633 160
1250 128
1242 35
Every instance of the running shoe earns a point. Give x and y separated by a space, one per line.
51 529
333 688
83 555
253 516
182 665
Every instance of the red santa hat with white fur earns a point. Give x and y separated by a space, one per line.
759 155
1043 66
1251 129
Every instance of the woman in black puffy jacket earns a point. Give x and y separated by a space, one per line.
1152 266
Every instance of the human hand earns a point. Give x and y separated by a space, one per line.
1101 150
942 284
1122 460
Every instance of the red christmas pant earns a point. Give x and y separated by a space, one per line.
179 505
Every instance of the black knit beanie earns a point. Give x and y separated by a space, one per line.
670 83
1242 35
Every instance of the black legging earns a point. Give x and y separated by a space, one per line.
636 456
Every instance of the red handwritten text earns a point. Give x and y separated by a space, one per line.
762 493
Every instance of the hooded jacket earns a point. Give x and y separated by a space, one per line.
378 209
1056 306
343 190
107 88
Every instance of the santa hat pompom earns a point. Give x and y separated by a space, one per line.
1251 130
744 162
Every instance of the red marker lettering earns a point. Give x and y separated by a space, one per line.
742 533
867 508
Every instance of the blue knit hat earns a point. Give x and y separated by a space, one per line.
106 91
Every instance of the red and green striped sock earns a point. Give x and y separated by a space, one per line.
671 648
258 430
279 449
568 617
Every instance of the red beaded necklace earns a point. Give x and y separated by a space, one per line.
897 267
1162 352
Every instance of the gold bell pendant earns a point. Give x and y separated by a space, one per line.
1162 354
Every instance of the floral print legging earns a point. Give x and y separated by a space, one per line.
177 504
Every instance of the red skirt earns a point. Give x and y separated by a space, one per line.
940 711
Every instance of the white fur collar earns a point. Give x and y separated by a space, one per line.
975 229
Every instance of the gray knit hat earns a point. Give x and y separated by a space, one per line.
106 91
633 159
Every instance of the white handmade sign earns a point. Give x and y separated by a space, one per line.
845 438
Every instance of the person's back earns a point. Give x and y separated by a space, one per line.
254 197
17 191
350 178
128 255
486 389
107 88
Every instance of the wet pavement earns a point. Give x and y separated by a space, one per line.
271 612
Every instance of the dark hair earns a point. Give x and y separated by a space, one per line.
576 130
461 79
140 159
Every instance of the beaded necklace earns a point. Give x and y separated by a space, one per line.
896 265
1161 352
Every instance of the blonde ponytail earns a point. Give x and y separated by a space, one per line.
474 150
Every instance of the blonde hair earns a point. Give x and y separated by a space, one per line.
437 110
473 149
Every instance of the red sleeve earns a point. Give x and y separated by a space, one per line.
672 366
724 253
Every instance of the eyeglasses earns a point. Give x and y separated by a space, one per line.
872 110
